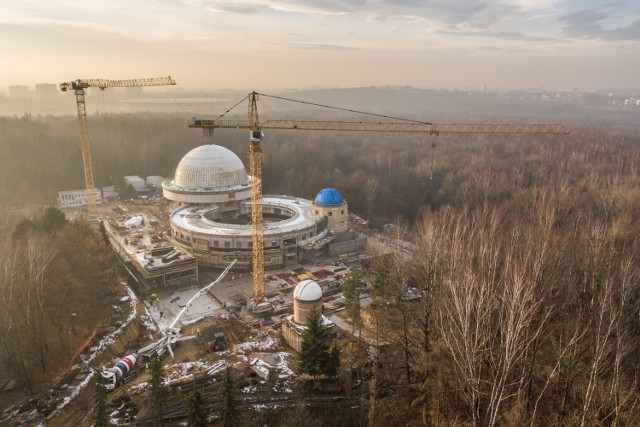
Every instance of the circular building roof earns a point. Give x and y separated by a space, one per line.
210 167
329 197
307 290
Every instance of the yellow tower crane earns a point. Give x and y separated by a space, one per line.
78 87
400 125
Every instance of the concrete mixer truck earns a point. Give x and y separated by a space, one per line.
122 372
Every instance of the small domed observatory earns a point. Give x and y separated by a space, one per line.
307 296
330 203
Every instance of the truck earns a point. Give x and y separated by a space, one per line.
126 369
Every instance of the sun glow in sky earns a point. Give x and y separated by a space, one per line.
210 44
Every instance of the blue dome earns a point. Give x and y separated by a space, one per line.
329 197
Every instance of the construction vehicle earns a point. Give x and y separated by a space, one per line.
130 365
78 87
123 371
399 125
218 343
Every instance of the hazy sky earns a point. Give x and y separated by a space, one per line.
259 44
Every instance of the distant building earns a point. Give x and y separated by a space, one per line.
109 192
138 184
19 91
76 198
155 181
46 90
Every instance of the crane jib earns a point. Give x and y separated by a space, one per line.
434 129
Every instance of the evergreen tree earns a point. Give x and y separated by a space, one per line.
314 350
53 219
380 280
103 231
102 418
196 410
158 392
22 229
332 363
230 414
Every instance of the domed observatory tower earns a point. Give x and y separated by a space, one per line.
329 203
307 296
209 174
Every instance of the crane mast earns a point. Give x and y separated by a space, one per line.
78 87
255 166
255 153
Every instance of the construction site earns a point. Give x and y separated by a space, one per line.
219 275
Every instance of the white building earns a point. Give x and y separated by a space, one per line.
138 184
77 198
155 181
109 192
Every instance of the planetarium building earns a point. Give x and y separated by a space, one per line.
212 219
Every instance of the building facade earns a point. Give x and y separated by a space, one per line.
77 198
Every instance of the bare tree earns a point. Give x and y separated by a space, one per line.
370 189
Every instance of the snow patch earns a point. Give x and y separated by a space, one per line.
268 344
192 321
134 221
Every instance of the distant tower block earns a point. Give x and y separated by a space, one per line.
307 296
330 203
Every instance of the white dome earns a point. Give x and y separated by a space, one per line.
210 167
307 290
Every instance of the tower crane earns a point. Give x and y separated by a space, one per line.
396 125
78 87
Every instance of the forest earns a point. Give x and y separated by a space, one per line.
57 286
524 250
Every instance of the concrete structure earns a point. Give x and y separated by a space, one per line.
152 260
213 215
307 296
329 203
138 184
77 198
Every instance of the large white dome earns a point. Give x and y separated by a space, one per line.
210 167
307 291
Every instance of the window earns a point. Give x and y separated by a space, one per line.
238 244
330 213
215 243
227 244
